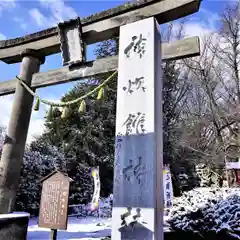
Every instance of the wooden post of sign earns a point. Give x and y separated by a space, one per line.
53 234
138 181
15 140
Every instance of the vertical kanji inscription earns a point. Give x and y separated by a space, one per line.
54 202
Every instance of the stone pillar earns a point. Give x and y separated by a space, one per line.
15 140
138 182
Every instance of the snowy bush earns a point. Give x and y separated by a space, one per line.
37 165
207 212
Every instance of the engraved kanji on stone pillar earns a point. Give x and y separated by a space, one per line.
138 190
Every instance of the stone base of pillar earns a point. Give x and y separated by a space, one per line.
13 226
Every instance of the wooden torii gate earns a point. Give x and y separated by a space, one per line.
31 50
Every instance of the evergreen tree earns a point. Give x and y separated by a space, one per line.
36 166
87 139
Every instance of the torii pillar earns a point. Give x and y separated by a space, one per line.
15 140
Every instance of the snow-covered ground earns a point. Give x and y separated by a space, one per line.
82 228
201 210
78 228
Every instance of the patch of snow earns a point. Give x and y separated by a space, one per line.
14 215
78 228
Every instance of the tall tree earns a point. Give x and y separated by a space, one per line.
87 139
213 110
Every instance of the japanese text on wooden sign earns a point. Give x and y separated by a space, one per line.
54 202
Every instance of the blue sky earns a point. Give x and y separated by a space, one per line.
18 18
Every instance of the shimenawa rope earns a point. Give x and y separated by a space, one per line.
63 104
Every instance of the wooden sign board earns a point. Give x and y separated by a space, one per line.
71 43
54 201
